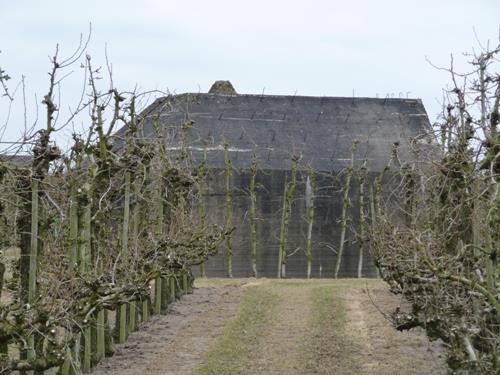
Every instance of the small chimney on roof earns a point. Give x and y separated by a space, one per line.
222 87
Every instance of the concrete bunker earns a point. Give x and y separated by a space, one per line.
318 130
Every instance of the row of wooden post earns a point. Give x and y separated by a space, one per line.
96 341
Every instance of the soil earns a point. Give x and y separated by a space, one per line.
175 343
178 342
376 346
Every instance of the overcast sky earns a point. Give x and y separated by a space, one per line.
333 48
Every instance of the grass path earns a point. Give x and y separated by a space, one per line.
270 327
318 327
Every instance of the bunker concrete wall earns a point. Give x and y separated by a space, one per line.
325 233
319 129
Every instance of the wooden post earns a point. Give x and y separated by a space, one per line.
84 255
310 192
285 217
159 283
202 211
203 271
67 368
228 172
158 295
87 351
373 220
34 241
4 343
173 288
345 209
109 347
84 242
101 330
122 311
253 204
185 286
282 234
362 216
132 322
145 310
73 228
33 261
126 216
122 321
164 294
190 282
136 218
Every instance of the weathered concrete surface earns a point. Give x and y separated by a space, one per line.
319 129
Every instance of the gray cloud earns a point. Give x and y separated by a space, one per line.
315 48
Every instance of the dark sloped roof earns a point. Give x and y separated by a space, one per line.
17 160
320 129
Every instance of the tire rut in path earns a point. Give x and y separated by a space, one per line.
172 344
375 346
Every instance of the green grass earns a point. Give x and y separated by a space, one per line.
327 331
229 355
328 313
322 341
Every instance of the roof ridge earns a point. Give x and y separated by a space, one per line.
291 96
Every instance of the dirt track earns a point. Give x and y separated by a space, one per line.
175 343
308 327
